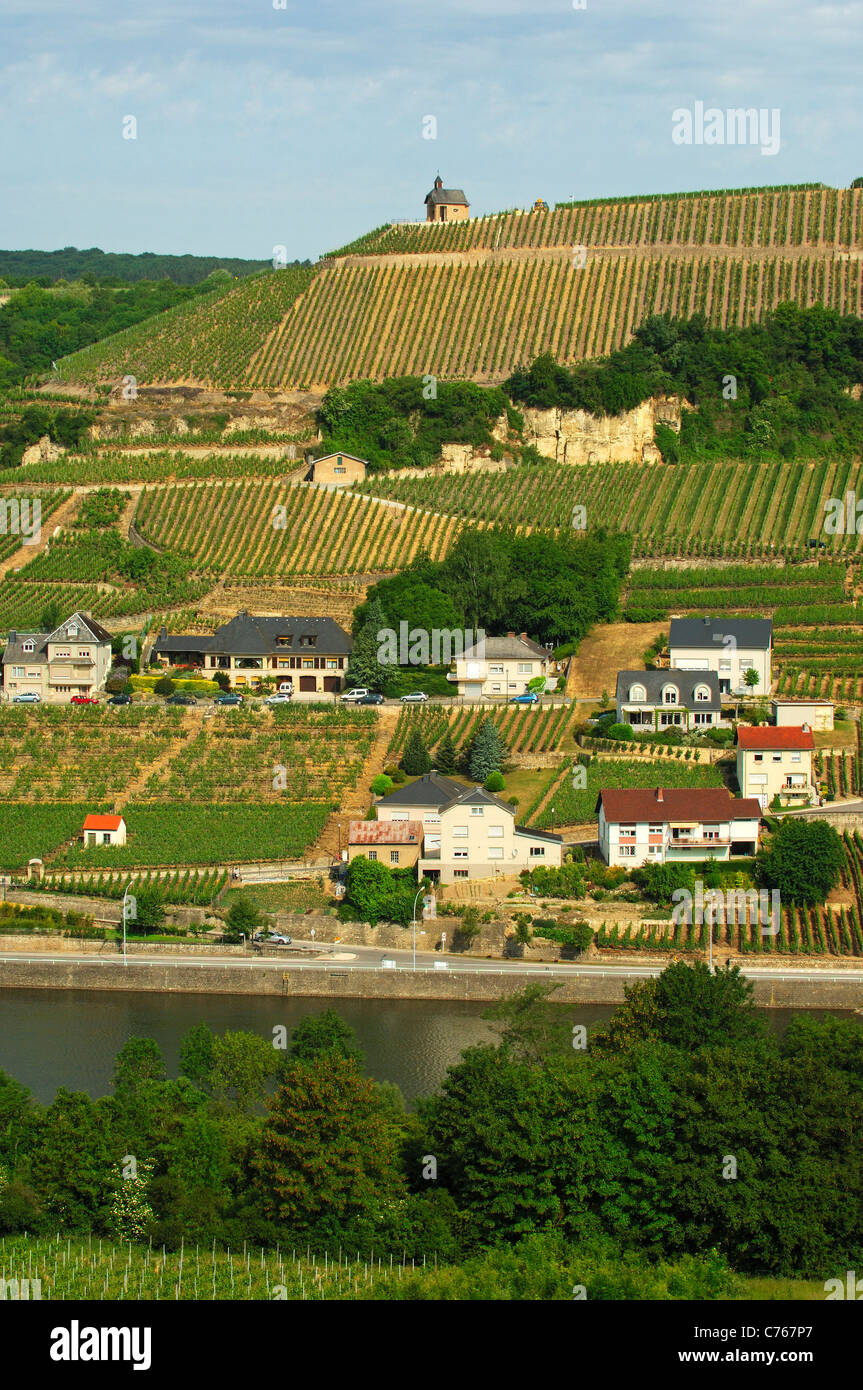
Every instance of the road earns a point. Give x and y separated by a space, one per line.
368 958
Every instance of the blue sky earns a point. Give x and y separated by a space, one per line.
303 126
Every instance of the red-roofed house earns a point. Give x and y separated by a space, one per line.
395 843
646 825
775 762
104 830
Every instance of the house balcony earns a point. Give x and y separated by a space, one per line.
698 842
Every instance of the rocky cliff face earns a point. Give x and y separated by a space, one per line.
576 436
45 451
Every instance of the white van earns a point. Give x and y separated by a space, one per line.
388 963
286 687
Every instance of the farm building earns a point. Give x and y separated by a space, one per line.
818 714
446 204
104 830
337 470
394 843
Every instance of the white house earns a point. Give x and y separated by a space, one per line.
656 700
74 659
728 646
499 667
776 762
651 826
467 832
104 830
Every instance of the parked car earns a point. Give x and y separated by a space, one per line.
373 698
279 938
83 700
359 692
120 700
28 698
278 700
414 697
529 697
605 716
181 700
286 687
228 698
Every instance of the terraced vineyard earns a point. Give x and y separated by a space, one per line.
236 528
17 526
713 509
821 663
480 297
570 805
802 215
524 729
245 785
113 465
790 594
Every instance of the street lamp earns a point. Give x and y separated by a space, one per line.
128 886
414 924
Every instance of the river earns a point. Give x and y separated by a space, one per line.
52 1038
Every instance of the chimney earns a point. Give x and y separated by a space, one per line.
659 796
523 636
433 772
13 636
510 634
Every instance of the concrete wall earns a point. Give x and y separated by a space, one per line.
332 983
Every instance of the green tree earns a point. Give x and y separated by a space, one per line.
149 908
164 686
324 1033
751 677
366 668
415 757
445 755
196 1055
687 1007
381 785
243 1063
494 782
803 861
72 1160
326 1153
52 616
486 752
244 916
138 1063
534 1028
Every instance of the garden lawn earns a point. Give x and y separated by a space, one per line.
573 806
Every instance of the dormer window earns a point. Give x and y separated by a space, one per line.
637 694
669 694
28 646
308 640
702 692
286 640
72 630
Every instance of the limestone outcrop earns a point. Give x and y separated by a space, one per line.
577 437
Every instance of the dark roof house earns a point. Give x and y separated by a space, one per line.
748 633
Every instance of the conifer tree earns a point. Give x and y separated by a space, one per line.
445 755
415 758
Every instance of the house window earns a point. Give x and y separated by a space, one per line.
537 851
711 832
777 757
394 856
459 854
28 646
477 810
637 694
495 851
310 640
308 663
340 470
795 757
525 668
495 670
460 873
373 854
702 692
654 829
106 838
628 851
18 671
83 654
332 664
72 630
701 718
759 758
495 690
669 695
459 832
495 832
59 654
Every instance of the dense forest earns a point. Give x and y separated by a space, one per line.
685 1127
782 387
119 267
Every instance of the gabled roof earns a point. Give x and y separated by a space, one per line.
15 648
340 454
498 648
768 737
477 796
711 632
429 790
95 630
102 822
676 803
245 635
654 683
538 834
385 832
447 195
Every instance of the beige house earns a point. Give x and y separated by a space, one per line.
446 204
309 655
74 659
337 470
395 843
104 830
776 762
497 668
646 825
467 832
818 714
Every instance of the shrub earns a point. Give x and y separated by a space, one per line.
164 686
381 784
494 782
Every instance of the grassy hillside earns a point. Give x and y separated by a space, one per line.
481 297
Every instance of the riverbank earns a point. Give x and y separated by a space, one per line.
598 984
